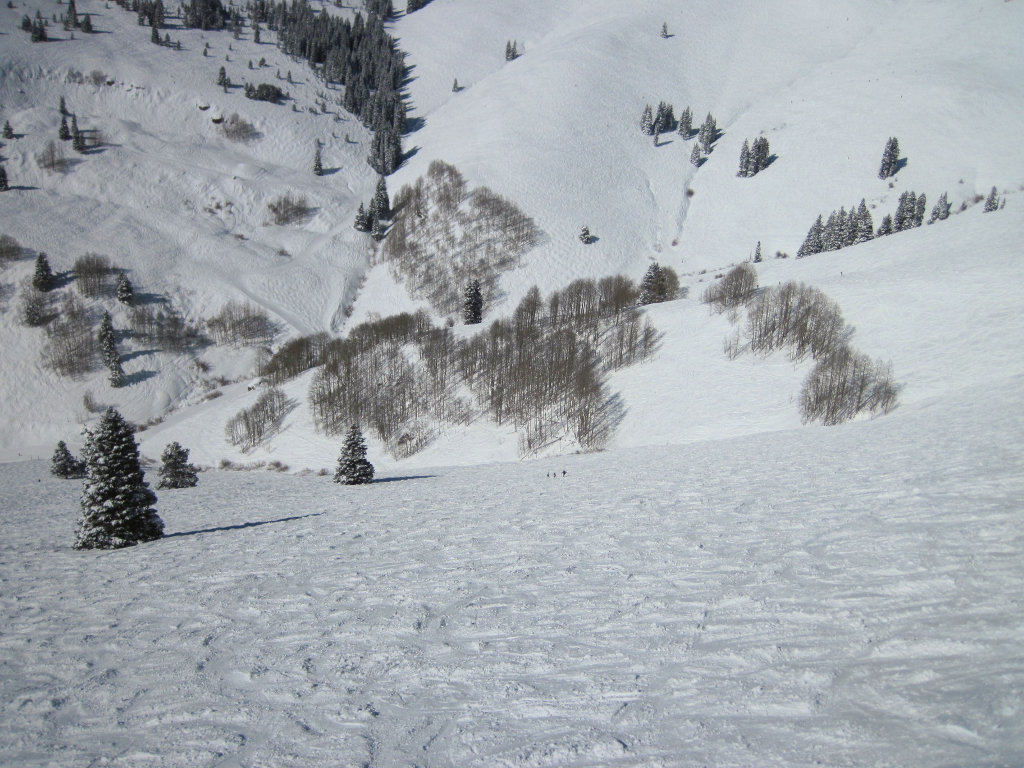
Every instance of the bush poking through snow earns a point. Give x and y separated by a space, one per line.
288 208
238 129
735 289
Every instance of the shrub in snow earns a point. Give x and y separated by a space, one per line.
175 471
353 466
844 384
116 500
64 464
733 290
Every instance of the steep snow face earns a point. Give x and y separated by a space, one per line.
184 210
848 596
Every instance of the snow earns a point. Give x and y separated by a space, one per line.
846 596
723 586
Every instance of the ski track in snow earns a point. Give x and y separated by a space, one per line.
843 597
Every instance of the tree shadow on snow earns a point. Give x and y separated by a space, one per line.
138 377
401 479
241 526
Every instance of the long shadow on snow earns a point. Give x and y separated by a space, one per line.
400 479
241 526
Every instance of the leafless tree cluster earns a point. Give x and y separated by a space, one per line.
802 319
296 356
10 250
734 290
93 273
33 305
71 345
165 328
846 383
288 208
52 157
250 426
238 129
240 324
444 236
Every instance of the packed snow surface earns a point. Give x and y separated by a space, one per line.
850 596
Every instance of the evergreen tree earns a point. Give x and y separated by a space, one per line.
116 500
708 133
685 128
38 33
222 77
757 253
154 35
175 471
107 340
3 179
318 166
745 168
455 85
940 212
64 464
664 29
919 207
381 203
813 242
8 130
77 139
865 226
64 133
125 290
760 152
905 209
511 50
665 117
992 201
353 466
362 221
647 120
377 229
472 304
696 156
43 279
72 15
890 159
87 24
654 287
885 228
585 237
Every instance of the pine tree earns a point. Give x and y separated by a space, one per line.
222 76
885 228
175 471
905 208
585 237
664 29
890 159
940 212
652 287
813 242
125 290
919 207
708 133
353 466
64 464
992 201
381 203
87 24
696 156
3 179
318 166
362 220
43 279
757 253
154 35
77 139
760 152
8 130
64 133
865 226
116 500
72 15
455 85
745 168
647 120
472 304
685 128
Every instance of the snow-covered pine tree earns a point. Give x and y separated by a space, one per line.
940 211
108 348
696 156
8 130
647 120
585 237
685 128
813 242
377 229
759 154
116 500
708 133
362 220
87 24
890 159
885 228
154 35
472 304
919 206
665 117
664 29
381 203
905 208
125 290
64 133
318 165
4 185
222 77
745 169
353 466
64 464
992 201
77 139
865 227
652 286
757 253
175 471
43 279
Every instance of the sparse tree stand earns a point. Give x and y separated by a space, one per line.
116 500
353 466
175 471
64 464
473 304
